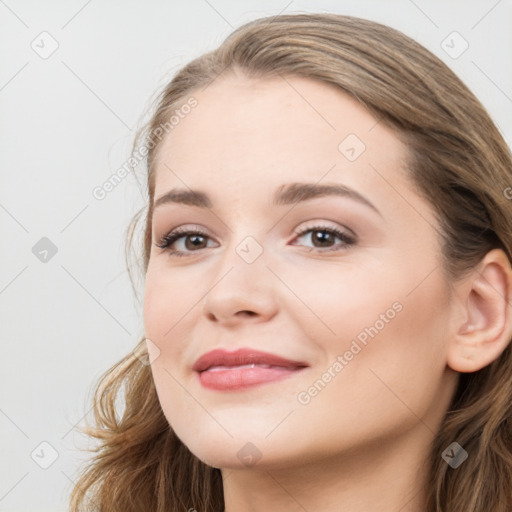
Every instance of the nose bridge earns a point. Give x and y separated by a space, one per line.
242 281
245 249
242 264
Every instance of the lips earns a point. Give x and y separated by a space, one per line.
243 357
229 371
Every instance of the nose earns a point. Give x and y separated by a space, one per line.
225 314
242 292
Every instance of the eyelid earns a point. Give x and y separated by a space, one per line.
180 229
322 224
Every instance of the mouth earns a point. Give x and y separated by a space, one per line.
230 371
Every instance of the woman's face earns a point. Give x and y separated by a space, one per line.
346 286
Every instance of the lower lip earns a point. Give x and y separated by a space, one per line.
243 378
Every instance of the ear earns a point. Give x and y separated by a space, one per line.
483 328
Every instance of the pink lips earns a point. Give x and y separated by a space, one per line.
222 370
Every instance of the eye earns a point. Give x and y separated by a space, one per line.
192 240
324 237
196 241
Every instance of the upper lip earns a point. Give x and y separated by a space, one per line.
220 357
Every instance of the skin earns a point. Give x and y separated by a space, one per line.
361 442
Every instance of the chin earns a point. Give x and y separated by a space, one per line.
222 456
235 453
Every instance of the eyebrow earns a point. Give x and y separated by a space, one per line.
287 194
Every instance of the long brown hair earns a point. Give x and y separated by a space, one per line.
457 159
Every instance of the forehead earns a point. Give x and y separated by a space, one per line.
265 132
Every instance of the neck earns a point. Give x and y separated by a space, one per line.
386 476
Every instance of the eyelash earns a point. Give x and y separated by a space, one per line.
167 240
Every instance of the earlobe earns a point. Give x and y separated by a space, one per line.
486 326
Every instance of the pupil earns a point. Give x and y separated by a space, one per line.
194 239
322 236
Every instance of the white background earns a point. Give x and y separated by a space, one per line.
67 123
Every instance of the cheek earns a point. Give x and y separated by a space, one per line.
168 296
380 321
170 311
335 303
154 298
391 383
164 305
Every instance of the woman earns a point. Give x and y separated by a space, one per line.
327 302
